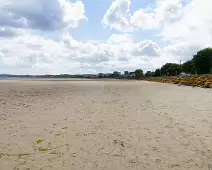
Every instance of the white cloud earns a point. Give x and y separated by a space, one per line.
186 26
38 55
168 10
118 16
191 32
194 26
1 56
191 20
144 20
73 13
40 14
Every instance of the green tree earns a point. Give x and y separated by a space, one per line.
170 69
138 73
148 74
189 67
203 61
157 73
164 68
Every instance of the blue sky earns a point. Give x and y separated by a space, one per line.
93 29
91 36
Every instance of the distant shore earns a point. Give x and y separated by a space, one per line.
194 81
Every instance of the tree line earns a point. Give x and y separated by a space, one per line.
201 63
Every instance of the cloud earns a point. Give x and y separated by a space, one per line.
118 47
147 48
118 16
144 20
39 55
191 32
185 27
47 15
194 26
1 56
10 32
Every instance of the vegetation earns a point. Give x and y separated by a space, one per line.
157 73
198 68
189 67
21 155
203 61
200 64
58 134
4 155
18 155
170 69
39 141
195 81
138 73
43 149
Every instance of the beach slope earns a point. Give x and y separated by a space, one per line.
107 125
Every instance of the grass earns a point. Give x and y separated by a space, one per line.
7 155
58 134
43 149
39 141
68 147
21 155
4 155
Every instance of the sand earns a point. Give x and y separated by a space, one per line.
104 125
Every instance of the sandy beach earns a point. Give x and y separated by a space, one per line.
104 125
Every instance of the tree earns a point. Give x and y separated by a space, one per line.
157 73
138 73
189 67
148 74
170 69
203 61
164 68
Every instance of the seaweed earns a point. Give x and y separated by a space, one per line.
39 141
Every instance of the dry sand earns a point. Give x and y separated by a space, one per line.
104 125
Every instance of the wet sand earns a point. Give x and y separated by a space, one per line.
104 125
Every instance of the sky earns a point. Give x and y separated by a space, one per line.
92 36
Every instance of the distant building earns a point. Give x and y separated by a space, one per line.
148 73
126 73
90 76
100 75
131 74
184 74
108 75
93 76
116 74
